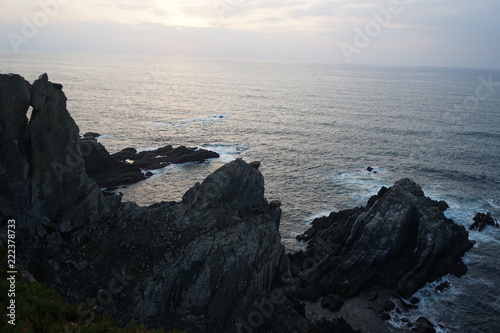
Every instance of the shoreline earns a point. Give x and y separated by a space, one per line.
234 194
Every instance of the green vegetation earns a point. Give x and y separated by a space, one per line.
41 309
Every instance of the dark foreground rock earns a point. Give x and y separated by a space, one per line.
126 167
42 173
213 262
400 241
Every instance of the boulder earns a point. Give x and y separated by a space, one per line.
400 241
481 220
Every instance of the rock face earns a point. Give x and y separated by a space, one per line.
207 262
213 262
400 241
125 167
205 259
42 174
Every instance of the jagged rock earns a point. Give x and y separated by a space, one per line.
14 145
442 286
219 254
106 171
481 220
401 240
43 182
125 167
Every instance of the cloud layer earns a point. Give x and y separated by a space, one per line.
423 32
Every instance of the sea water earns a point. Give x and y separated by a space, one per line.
315 128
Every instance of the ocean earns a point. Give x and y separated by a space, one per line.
315 128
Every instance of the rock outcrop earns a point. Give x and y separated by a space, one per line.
208 262
212 262
205 259
42 175
481 220
126 167
400 241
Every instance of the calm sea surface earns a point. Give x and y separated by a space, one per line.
315 128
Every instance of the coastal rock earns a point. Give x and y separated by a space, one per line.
106 171
400 241
206 263
91 135
206 259
423 325
60 188
42 160
14 144
481 220
125 167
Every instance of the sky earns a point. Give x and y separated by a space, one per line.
455 33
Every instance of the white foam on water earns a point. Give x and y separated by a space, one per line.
492 203
227 152
308 220
361 184
430 300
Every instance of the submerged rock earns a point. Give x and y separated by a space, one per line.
400 241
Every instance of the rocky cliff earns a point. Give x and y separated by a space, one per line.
212 262
400 241
42 175
202 263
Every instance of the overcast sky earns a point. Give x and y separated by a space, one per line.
463 33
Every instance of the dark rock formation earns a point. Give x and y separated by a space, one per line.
213 262
442 286
206 259
42 173
106 171
400 241
125 167
481 220
91 135
423 325
208 263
